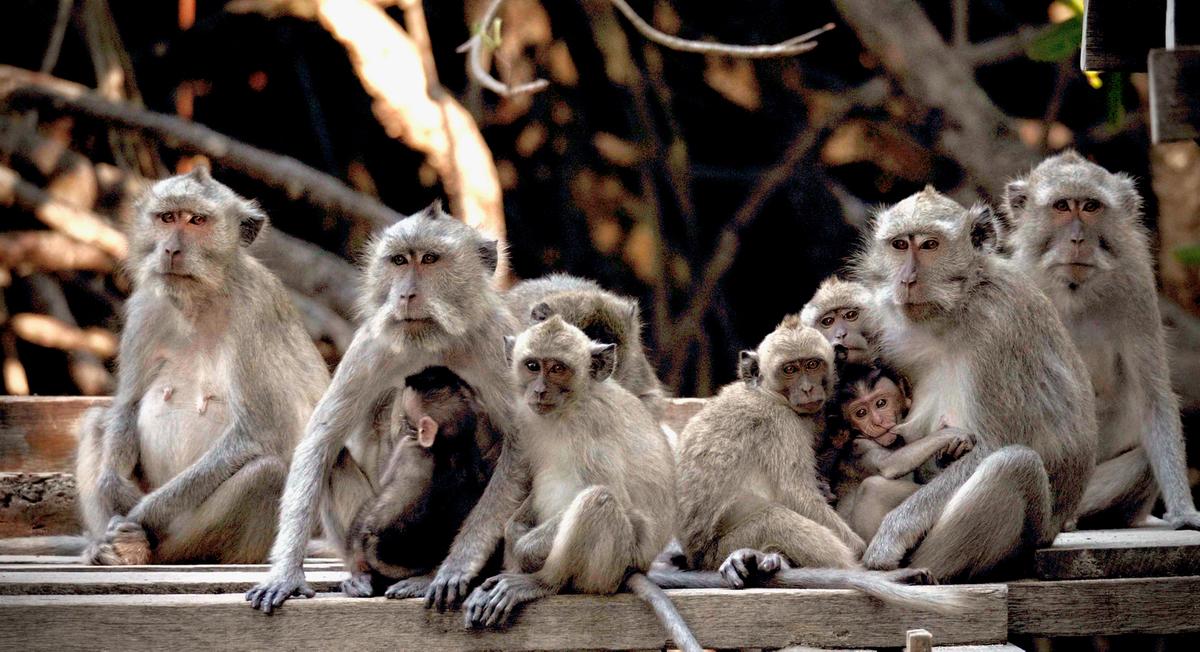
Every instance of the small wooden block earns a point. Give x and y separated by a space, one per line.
720 619
1134 552
1159 605
918 640
1174 94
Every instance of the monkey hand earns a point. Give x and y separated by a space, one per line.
358 586
412 587
959 443
448 587
280 586
883 554
128 542
491 604
748 564
1183 520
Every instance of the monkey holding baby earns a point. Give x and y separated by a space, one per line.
217 377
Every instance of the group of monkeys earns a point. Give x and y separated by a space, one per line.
987 380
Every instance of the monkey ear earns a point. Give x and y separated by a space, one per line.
250 222
1016 193
427 430
604 361
1131 200
435 209
541 312
510 343
489 253
200 172
983 229
748 366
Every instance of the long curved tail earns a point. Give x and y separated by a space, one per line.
874 584
63 546
653 595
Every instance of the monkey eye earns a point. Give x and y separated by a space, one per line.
1062 206
851 315
198 220
790 369
166 217
558 368
1091 206
533 366
860 412
812 364
881 403
827 321
930 245
900 244
399 259
429 258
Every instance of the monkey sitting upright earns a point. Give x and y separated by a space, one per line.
870 403
217 378
433 478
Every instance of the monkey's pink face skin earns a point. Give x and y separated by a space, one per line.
802 383
875 415
408 295
1076 245
179 237
547 384
842 326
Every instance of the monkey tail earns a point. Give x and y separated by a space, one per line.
881 588
60 546
654 596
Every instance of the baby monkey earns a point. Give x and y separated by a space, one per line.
433 478
870 404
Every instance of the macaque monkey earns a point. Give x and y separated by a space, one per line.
602 316
749 503
600 505
871 402
836 310
433 478
1076 229
428 300
216 379
986 352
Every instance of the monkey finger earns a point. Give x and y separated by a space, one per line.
770 564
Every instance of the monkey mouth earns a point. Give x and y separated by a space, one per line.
810 407
543 408
886 438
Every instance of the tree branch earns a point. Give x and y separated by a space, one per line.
79 224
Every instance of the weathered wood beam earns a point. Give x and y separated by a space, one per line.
1137 552
38 433
720 619
1156 605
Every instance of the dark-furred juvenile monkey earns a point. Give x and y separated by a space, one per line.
871 402
982 345
600 504
216 379
1076 229
433 478
428 300
603 316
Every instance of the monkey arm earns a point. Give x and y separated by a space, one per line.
1163 440
118 458
904 460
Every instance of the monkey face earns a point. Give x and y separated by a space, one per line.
547 384
803 383
842 327
425 276
875 411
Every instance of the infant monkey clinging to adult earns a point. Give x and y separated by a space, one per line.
870 404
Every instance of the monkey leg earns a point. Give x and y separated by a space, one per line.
409 587
347 491
1002 511
1121 492
802 541
595 545
235 525
873 499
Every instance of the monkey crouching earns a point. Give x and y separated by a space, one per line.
433 478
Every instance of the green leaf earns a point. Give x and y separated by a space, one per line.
1058 43
1189 255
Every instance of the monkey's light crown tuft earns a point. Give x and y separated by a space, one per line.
915 214
557 339
833 293
791 341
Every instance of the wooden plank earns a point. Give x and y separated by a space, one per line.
1003 647
39 564
720 619
1174 86
18 561
122 582
1137 552
37 504
37 433
1160 605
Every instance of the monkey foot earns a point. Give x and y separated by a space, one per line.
358 586
412 587
748 564
916 576
492 603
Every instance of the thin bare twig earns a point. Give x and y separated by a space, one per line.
54 47
958 10
474 48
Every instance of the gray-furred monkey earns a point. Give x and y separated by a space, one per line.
1076 230
603 316
217 377
601 503
986 352
428 300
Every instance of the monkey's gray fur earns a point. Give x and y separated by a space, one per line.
985 352
603 316
216 380
428 300
1075 228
